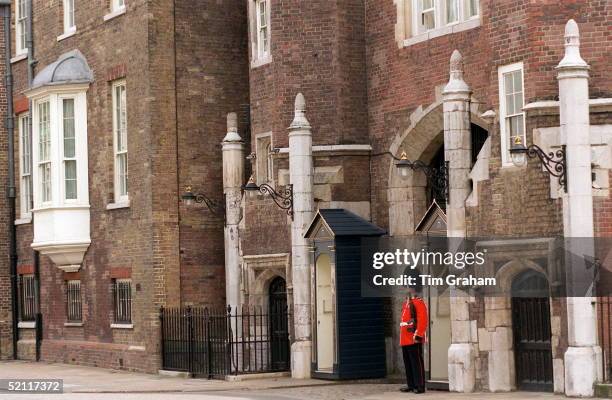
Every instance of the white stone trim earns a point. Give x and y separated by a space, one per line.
335 148
122 326
26 324
19 57
552 106
67 34
445 30
23 221
115 13
118 205
73 324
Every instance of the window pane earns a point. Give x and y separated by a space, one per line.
70 173
69 140
428 4
508 86
452 11
45 186
123 173
509 104
518 81
429 20
262 13
472 8
518 102
43 129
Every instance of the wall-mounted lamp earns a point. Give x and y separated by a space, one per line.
554 162
283 199
215 207
437 178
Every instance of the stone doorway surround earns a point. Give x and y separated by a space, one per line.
258 271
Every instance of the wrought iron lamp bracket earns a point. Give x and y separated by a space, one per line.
555 162
282 198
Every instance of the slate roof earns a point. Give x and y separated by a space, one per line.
344 223
70 67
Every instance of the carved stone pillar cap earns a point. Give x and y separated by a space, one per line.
572 58
299 120
456 84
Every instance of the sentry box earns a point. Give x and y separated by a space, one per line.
347 329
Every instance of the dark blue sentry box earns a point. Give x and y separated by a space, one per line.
347 330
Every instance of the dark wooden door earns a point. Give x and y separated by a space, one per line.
532 336
279 325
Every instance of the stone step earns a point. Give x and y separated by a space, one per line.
603 390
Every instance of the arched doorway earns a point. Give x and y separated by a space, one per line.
532 332
279 327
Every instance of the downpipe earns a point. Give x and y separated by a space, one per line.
11 192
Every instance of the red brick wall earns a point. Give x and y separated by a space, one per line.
212 80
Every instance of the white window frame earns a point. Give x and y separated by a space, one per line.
260 54
40 195
506 159
62 139
117 6
56 156
21 31
120 198
25 166
412 12
69 14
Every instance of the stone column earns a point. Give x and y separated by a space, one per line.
233 175
581 368
457 151
301 176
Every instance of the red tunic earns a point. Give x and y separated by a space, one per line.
407 325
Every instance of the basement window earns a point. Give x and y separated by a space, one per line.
74 304
27 298
122 301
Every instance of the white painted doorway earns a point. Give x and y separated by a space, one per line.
325 322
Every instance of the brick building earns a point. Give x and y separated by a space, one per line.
137 83
454 80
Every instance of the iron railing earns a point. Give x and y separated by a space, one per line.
604 318
214 343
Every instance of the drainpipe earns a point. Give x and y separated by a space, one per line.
35 255
10 124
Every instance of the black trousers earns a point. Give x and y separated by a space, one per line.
415 368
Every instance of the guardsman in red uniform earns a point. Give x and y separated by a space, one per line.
413 327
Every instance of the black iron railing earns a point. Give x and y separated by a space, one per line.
604 318
214 343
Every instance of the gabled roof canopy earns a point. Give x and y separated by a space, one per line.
69 68
342 222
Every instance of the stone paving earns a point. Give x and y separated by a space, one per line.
96 383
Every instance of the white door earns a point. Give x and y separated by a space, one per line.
325 327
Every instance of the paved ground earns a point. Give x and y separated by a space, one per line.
95 383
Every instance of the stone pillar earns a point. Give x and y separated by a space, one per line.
581 369
301 176
233 175
457 151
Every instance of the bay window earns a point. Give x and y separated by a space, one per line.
60 173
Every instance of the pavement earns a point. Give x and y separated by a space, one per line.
97 383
